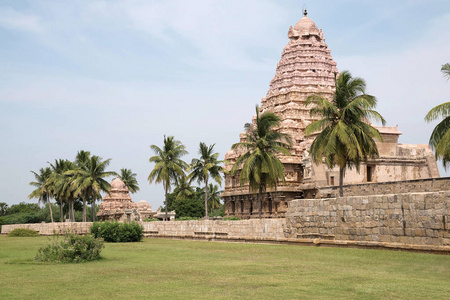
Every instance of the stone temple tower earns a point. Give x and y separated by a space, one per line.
306 67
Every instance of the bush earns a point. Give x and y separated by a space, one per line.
151 220
232 219
194 208
186 218
23 232
118 232
72 249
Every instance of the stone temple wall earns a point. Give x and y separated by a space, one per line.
383 188
51 228
250 230
417 221
410 221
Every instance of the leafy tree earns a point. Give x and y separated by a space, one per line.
189 208
169 166
261 167
3 209
204 167
440 137
345 137
129 178
22 213
42 191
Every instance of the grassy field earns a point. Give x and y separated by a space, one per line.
158 268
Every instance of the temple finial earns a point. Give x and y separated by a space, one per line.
305 12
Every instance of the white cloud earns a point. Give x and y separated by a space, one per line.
16 20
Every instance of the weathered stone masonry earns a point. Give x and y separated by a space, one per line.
418 221
409 221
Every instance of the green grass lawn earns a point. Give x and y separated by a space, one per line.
160 268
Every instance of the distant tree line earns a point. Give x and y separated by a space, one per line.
75 184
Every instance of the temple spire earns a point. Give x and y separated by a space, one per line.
305 12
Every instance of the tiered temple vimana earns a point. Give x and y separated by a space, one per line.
307 67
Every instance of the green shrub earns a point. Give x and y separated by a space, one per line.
186 218
232 219
23 232
151 220
194 208
72 249
118 232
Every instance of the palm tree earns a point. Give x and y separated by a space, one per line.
168 164
345 137
42 191
446 70
206 166
261 167
214 197
129 178
184 190
59 184
89 181
82 160
440 137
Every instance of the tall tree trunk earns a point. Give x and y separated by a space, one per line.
206 198
50 207
260 201
93 209
84 208
165 200
341 181
72 210
61 213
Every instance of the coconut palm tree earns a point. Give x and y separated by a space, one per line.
214 197
90 180
204 167
81 160
42 191
129 178
184 190
446 70
59 184
440 137
169 166
345 137
261 167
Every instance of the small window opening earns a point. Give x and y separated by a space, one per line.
331 180
369 173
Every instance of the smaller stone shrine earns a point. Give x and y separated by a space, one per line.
117 205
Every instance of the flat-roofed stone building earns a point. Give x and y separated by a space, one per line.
306 68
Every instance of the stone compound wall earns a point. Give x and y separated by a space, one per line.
243 230
411 221
414 221
51 228
251 230
383 188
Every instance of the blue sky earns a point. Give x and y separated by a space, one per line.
113 77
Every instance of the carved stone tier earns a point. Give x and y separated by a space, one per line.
306 67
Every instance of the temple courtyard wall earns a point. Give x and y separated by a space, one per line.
404 221
384 188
